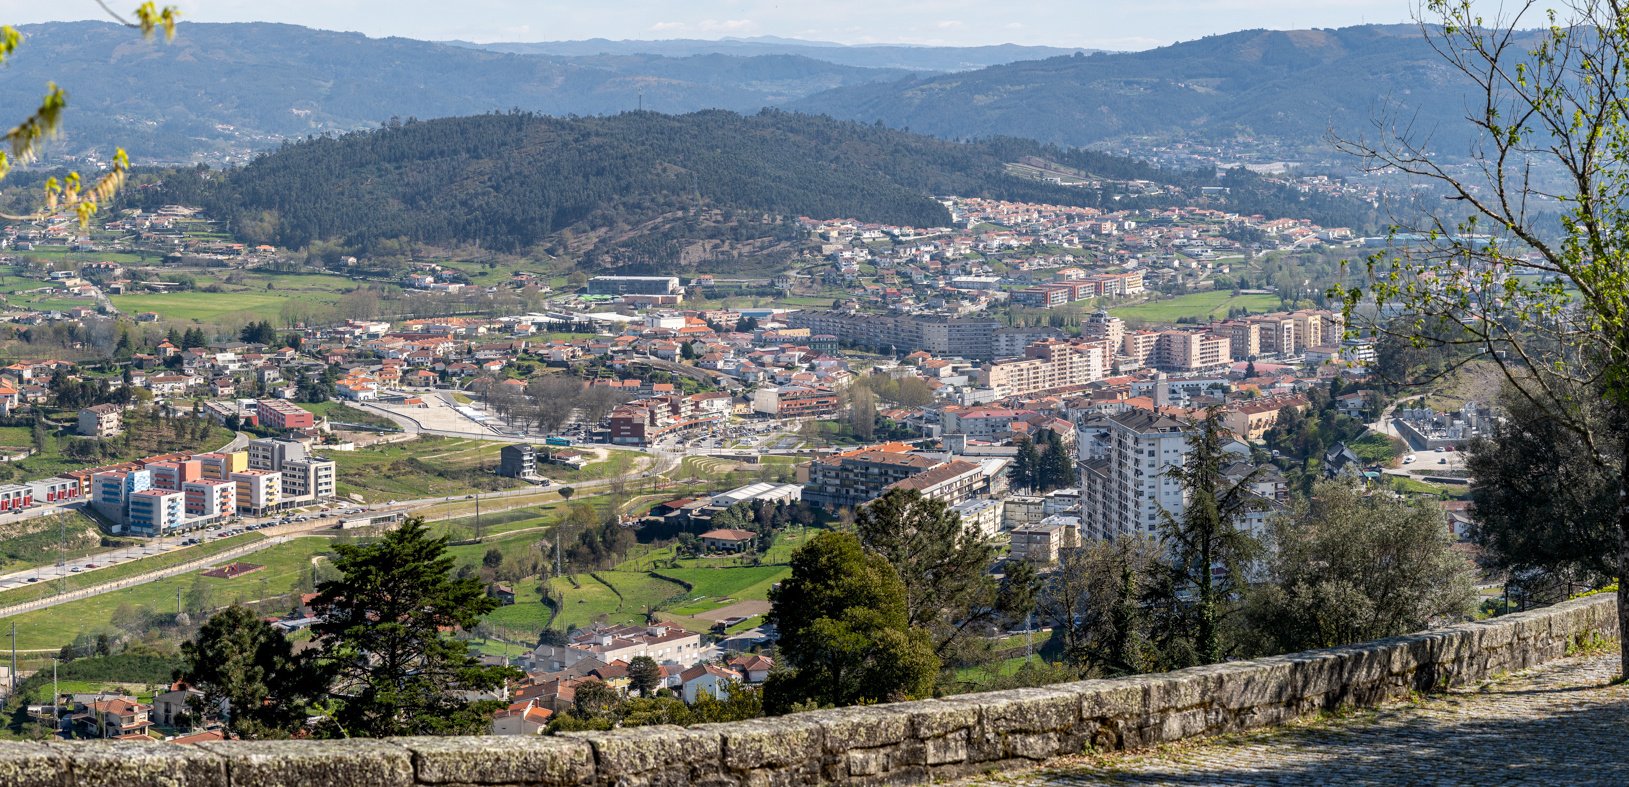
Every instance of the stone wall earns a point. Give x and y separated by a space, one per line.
901 743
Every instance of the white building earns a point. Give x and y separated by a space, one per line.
1125 491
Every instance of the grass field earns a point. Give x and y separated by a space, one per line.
127 569
202 306
57 626
426 467
1201 305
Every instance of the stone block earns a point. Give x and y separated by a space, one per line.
660 754
945 749
1035 746
501 759
780 742
843 729
354 762
933 718
1112 699
123 763
1031 710
32 764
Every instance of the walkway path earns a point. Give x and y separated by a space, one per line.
1563 723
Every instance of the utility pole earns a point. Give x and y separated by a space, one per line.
13 658
178 600
477 516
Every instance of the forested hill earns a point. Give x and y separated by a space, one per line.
647 189
1285 87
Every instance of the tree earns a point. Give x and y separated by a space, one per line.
566 492
941 564
239 660
1348 566
1549 126
1025 465
1094 603
1056 469
644 675
1207 552
1546 510
844 630
595 699
383 637
863 412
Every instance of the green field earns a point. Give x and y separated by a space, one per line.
426 467
130 568
202 306
54 627
622 597
1204 306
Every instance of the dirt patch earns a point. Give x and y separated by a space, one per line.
232 570
740 609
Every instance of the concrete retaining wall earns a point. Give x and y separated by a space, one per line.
901 743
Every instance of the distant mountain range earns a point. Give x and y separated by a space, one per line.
218 92
1284 88
219 89
909 58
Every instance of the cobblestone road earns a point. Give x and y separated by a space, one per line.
1561 724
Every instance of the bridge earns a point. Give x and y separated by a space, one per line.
1519 698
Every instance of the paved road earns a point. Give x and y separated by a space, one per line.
1563 723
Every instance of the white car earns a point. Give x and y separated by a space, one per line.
1408 460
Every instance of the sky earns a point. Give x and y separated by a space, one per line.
1097 24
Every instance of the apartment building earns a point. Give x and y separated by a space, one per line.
258 492
645 420
1188 351
221 466
1244 338
310 479
1177 351
1125 491
102 420
154 512
1051 365
1249 420
1010 342
943 336
210 500
855 477
173 475
1042 542
951 482
111 491
795 401
283 416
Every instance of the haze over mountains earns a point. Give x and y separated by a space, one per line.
909 58
220 91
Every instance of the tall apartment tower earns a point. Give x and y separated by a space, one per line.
1125 491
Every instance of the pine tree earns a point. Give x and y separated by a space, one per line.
1057 467
1208 552
1025 465
383 638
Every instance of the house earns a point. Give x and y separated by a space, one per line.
753 667
169 705
709 678
97 716
526 717
101 420
1341 462
727 540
